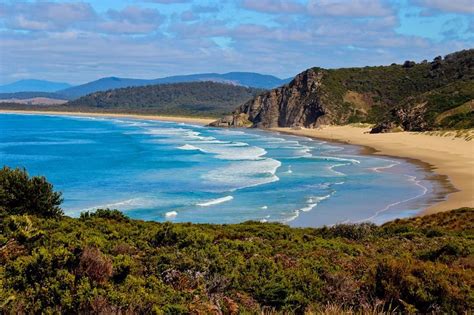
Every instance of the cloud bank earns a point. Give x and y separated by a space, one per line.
82 41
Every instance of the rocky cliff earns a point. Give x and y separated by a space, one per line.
411 96
298 103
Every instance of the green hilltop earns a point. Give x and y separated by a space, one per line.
412 96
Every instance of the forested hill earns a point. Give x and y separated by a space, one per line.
193 98
107 263
248 79
412 96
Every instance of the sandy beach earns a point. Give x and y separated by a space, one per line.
183 119
447 156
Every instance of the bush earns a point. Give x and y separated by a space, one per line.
105 214
20 194
95 265
350 231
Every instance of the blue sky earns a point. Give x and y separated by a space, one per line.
80 41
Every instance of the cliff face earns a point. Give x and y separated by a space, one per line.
295 104
410 96
298 103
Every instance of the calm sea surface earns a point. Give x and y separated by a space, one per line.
184 173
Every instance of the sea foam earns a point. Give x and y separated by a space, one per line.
171 214
240 175
215 201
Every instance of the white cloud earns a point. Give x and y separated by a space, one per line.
83 44
61 17
353 8
274 6
456 6
46 15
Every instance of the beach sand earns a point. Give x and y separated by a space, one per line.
447 156
183 119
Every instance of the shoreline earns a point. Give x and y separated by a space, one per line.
183 119
449 159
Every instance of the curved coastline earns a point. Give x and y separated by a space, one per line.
180 119
448 159
459 192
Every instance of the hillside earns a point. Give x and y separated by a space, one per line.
34 86
412 96
27 95
35 101
105 262
196 99
246 79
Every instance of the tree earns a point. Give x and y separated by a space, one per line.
20 194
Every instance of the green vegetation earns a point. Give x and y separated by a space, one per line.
20 194
411 95
194 99
105 262
199 99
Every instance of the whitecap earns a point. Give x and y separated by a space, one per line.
122 205
224 152
190 147
51 142
313 202
237 144
244 174
331 168
335 159
167 131
264 207
213 202
171 214
229 132
309 207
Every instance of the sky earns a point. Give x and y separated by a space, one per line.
80 41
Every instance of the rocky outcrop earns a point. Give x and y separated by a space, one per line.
384 127
296 104
405 118
235 120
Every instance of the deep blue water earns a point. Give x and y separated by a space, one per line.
170 171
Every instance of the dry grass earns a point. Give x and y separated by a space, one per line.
466 134
362 125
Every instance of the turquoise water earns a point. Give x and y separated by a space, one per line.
184 173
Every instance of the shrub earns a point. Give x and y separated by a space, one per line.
351 231
20 194
105 214
95 265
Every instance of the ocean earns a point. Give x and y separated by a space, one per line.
165 171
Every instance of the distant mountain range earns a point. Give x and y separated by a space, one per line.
205 99
66 91
33 85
